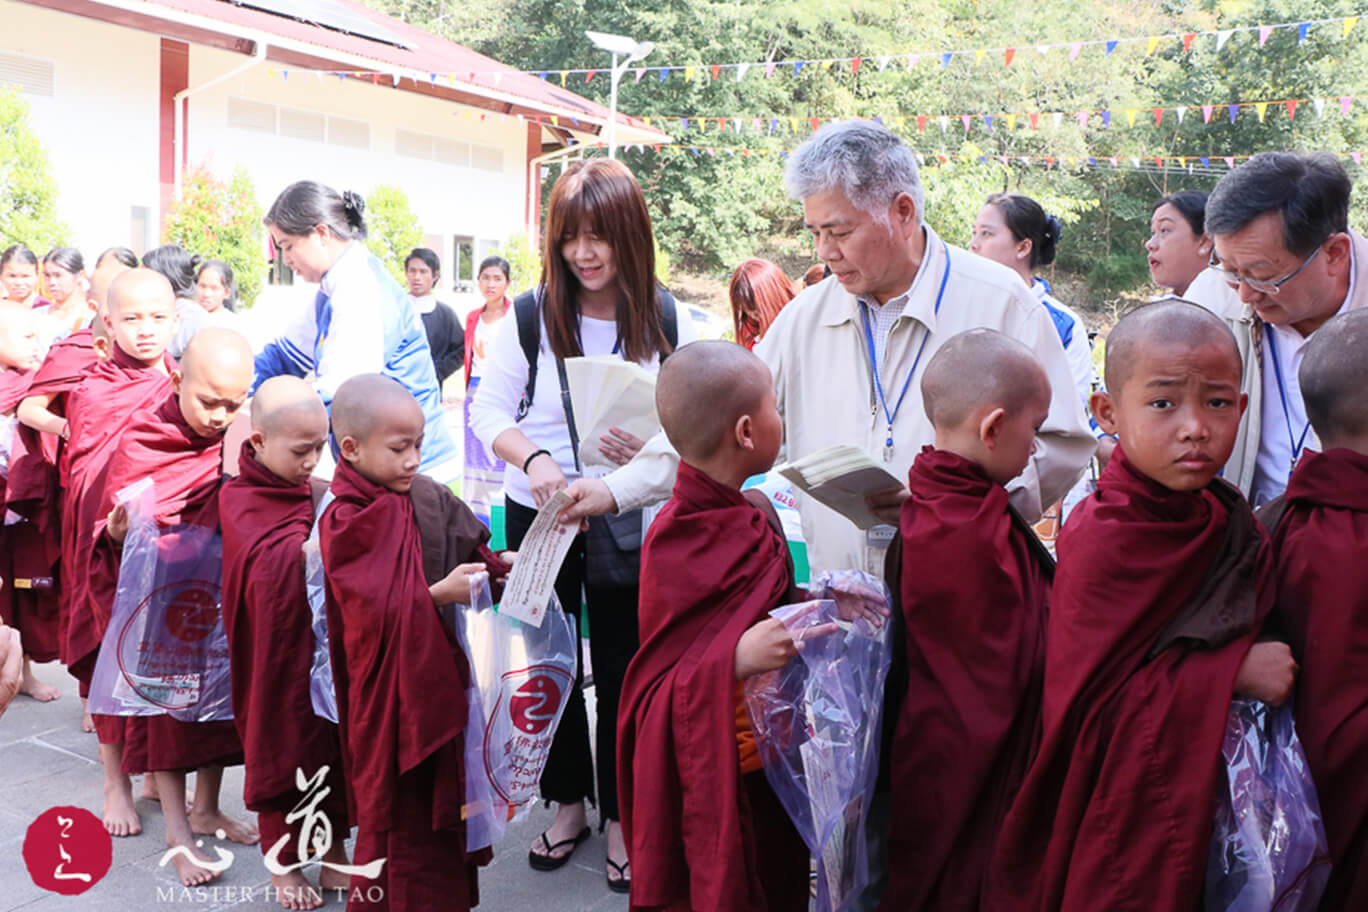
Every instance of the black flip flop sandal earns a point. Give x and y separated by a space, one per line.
549 862
623 884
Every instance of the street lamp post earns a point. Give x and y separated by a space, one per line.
631 51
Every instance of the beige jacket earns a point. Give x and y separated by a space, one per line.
816 350
1210 290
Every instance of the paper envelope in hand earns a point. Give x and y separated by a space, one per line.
607 392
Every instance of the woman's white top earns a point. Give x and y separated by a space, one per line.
647 479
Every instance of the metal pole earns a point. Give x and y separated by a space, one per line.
612 108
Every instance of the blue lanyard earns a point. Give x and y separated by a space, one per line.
1298 442
889 416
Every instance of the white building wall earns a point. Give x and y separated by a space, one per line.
99 126
449 200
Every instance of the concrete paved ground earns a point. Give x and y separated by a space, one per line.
47 761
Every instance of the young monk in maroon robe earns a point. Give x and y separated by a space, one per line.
704 831
1163 584
19 356
399 671
140 317
975 591
35 545
267 514
1320 549
178 444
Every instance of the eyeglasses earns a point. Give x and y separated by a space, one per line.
1262 286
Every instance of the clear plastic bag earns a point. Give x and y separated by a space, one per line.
322 691
817 725
524 675
1268 846
165 650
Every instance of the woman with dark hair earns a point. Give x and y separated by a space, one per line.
179 265
445 336
598 295
482 488
1178 248
215 290
19 276
360 321
758 290
1015 231
68 310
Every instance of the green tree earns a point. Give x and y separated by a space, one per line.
392 228
28 192
222 221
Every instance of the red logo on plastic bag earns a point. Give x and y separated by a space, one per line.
192 612
533 705
67 850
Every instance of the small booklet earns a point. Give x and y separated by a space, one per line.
840 477
606 392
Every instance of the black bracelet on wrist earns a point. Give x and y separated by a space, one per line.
535 453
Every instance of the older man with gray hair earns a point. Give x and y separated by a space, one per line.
1285 262
848 353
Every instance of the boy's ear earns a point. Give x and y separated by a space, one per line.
350 448
1104 410
744 433
258 440
102 347
990 427
176 379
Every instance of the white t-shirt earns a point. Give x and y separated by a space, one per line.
479 344
504 379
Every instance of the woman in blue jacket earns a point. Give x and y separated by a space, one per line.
360 322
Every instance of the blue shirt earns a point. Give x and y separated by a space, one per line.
363 322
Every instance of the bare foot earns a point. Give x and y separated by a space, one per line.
191 864
87 721
295 892
209 824
330 879
120 818
150 788
43 693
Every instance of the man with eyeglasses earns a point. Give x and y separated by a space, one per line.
1284 263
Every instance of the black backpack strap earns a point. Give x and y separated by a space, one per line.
669 319
527 313
569 411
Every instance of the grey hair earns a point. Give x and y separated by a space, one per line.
864 160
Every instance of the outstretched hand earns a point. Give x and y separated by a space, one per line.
454 588
861 601
768 645
592 498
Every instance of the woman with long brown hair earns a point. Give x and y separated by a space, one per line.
759 290
598 295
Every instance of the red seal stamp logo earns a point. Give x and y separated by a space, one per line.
67 850
192 612
533 705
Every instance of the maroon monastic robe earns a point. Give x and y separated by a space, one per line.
34 548
98 411
266 613
1158 597
1321 551
23 607
712 566
400 677
975 594
185 469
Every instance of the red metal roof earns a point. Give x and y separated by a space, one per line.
443 68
